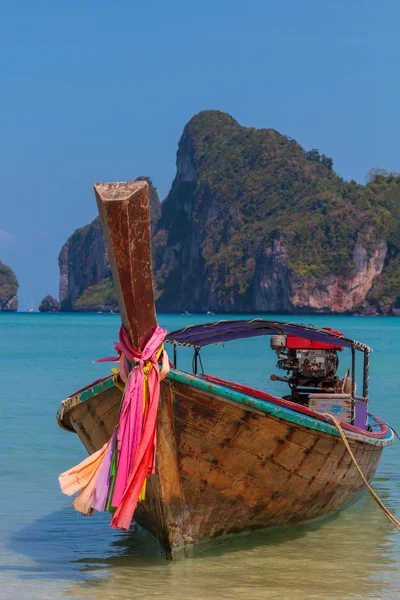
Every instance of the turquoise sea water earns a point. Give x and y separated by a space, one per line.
48 551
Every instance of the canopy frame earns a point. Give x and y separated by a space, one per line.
177 338
215 332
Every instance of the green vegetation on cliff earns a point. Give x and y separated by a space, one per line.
8 289
265 183
98 297
386 288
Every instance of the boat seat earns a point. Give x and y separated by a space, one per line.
339 405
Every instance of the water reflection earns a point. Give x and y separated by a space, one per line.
351 556
65 544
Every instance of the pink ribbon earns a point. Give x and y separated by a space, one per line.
136 436
144 459
131 417
134 439
137 432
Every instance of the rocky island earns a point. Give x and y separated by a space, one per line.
49 304
8 289
254 223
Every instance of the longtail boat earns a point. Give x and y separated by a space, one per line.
230 458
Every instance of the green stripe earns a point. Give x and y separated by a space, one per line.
97 389
268 407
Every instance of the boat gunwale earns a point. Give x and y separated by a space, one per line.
281 411
81 395
276 407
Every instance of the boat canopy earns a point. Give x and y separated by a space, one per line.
219 332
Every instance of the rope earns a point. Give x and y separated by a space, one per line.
117 381
375 496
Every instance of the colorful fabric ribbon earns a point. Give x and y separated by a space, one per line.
114 477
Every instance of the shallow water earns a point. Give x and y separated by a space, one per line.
48 551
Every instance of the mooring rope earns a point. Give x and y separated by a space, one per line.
375 496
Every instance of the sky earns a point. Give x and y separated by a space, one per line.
94 90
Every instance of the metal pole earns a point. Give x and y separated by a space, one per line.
366 375
353 378
175 356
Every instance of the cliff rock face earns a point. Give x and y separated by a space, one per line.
83 262
277 288
255 223
85 275
49 304
8 289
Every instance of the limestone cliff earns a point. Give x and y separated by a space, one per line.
83 262
277 288
253 222
85 275
8 289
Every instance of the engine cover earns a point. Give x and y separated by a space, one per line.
293 342
310 363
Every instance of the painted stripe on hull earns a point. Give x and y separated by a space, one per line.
277 411
264 406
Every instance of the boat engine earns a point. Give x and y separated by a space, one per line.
310 364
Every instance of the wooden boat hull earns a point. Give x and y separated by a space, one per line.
228 463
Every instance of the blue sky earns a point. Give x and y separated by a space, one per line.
95 91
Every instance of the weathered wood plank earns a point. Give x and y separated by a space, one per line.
124 210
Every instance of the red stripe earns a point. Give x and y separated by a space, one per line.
244 389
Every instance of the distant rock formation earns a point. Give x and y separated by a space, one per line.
254 223
85 274
49 304
83 262
8 289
